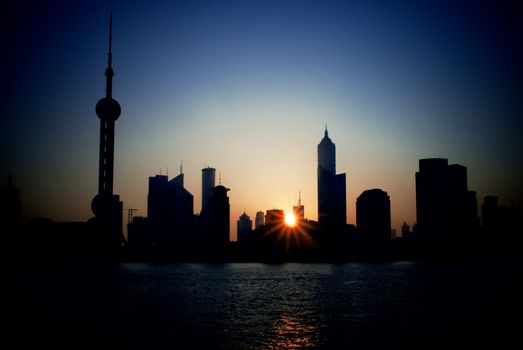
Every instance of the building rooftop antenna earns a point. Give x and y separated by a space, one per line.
130 213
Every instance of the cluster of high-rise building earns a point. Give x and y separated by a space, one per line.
446 215
171 225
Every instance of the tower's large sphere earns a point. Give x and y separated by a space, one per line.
104 204
108 109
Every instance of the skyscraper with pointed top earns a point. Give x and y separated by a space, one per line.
332 209
107 206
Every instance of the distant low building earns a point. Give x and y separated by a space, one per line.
405 230
274 217
260 220
10 206
299 211
499 222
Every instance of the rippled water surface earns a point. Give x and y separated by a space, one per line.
260 306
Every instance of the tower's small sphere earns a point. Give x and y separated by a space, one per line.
108 109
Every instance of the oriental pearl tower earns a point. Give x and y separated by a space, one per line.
107 206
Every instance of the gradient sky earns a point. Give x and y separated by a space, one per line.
248 86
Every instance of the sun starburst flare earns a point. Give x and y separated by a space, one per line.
290 220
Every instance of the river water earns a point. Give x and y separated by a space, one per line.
263 306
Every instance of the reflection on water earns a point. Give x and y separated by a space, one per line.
258 306
292 333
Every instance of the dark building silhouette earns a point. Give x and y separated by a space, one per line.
214 219
218 218
157 199
10 207
170 211
332 206
274 217
299 211
139 234
10 221
405 230
341 200
490 213
445 208
208 183
373 215
260 220
472 221
500 224
244 227
107 206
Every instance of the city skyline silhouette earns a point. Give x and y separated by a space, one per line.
279 174
259 131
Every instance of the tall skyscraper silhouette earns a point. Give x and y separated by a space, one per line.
445 208
218 216
332 207
208 183
170 211
157 199
107 206
373 215
244 227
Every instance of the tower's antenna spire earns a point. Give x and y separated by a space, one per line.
326 132
110 39
220 178
299 198
109 73
181 166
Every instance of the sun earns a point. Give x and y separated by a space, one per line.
290 220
